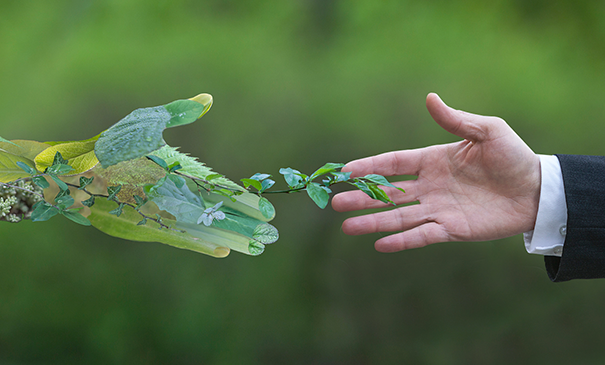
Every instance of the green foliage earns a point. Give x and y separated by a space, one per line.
150 181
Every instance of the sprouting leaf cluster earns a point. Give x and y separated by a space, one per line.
127 182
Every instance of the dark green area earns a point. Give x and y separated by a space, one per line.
296 83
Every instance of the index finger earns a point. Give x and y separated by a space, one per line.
406 162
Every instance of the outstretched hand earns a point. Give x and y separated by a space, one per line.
484 187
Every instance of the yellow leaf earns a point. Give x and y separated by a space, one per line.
80 154
204 99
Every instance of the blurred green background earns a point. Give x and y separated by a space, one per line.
296 83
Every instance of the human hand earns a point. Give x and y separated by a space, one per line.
484 187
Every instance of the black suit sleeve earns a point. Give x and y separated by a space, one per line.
584 249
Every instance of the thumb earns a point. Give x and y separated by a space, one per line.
465 125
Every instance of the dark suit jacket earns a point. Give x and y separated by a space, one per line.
584 248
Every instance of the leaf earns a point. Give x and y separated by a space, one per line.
118 211
256 248
80 155
140 132
75 216
380 194
112 191
24 148
42 211
381 180
85 181
319 195
266 184
252 182
88 202
329 167
265 234
159 161
342 176
63 186
292 177
126 227
9 169
140 201
59 169
64 202
266 208
25 167
363 186
58 159
41 182
7 141
260 177
183 112
184 205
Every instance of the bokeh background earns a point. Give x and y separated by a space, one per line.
296 83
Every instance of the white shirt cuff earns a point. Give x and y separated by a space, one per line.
548 235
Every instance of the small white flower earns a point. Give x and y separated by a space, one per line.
211 214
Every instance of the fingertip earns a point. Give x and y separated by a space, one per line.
338 203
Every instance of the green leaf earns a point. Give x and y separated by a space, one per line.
327 168
381 180
140 132
318 194
266 184
213 176
292 177
58 159
7 141
85 181
140 201
117 211
252 182
42 211
158 161
63 186
112 191
9 169
89 202
363 186
75 216
25 167
380 194
41 182
265 234
341 176
260 177
184 112
256 248
266 208
174 167
59 169
64 202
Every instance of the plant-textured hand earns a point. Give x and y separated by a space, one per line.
128 183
